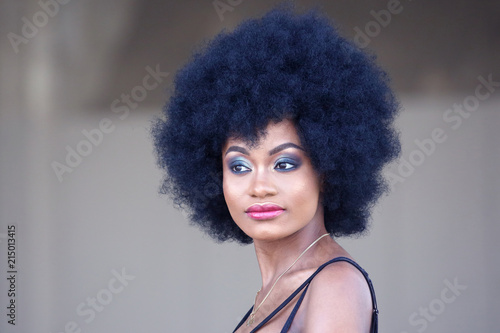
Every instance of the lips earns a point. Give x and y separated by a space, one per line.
264 211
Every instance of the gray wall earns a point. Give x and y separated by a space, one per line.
74 234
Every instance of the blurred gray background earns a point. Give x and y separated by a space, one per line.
98 250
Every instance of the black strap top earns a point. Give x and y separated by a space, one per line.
374 324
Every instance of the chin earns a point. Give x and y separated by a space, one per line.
268 232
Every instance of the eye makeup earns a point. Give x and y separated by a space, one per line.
286 163
238 165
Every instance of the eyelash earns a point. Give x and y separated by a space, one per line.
238 163
236 171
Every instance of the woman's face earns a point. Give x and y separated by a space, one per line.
271 190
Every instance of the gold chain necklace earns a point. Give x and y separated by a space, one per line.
255 309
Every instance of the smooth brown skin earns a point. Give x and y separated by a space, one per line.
338 299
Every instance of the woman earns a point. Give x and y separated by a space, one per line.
276 134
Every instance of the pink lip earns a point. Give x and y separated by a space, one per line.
264 212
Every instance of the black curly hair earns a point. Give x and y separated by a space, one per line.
283 65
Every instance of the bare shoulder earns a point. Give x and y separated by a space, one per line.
338 300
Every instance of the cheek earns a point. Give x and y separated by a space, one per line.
304 194
233 196
231 191
305 186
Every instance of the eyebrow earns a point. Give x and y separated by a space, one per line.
271 152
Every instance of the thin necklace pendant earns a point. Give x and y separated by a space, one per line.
251 319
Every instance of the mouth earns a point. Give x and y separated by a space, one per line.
264 211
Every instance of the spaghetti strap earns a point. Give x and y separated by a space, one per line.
374 322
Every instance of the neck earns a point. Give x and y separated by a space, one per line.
274 257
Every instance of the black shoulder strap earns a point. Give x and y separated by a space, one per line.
288 323
374 323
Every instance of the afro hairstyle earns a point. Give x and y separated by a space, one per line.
281 66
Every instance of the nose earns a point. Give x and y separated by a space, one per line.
262 185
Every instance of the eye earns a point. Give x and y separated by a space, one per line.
239 168
285 165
